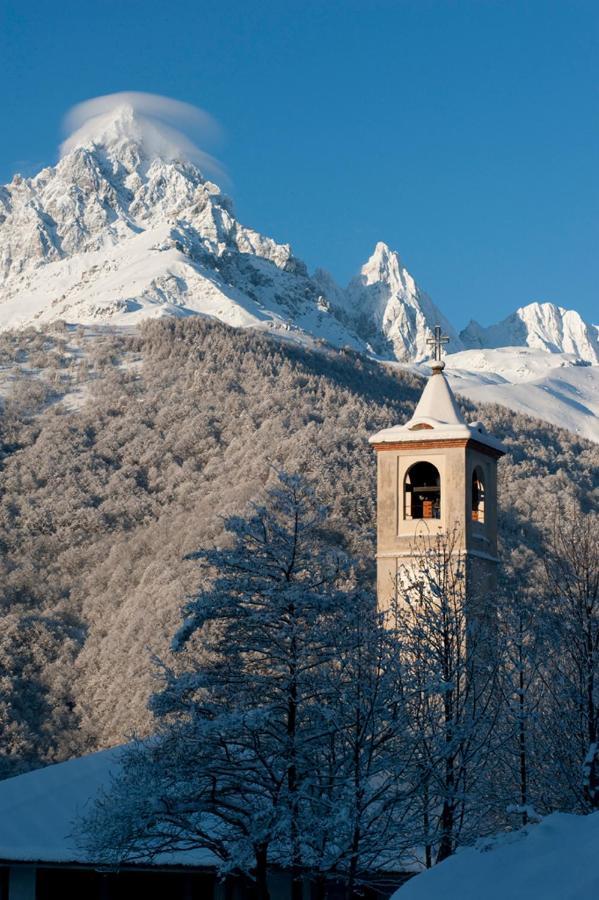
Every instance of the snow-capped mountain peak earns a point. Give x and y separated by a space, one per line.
123 138
130 140
391 311
126 226
384 265
542 326
123 228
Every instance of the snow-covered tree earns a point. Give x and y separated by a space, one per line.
361 797
519 776
36 701
278 738
572 668
449 669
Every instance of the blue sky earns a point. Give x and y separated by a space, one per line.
464 133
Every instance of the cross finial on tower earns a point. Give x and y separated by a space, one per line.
437 342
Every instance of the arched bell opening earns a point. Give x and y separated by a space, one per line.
422 492
478 495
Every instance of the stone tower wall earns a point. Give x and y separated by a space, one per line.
397 536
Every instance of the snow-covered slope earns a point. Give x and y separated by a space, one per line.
543 326
557 387
554 860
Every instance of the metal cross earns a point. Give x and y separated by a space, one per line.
437 342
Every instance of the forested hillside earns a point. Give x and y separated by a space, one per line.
122 453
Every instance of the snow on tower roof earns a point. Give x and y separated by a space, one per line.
437 417
437 402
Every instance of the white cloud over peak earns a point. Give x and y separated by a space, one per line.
166 127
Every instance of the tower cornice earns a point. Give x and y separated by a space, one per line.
440 443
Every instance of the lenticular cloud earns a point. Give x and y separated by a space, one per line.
165 126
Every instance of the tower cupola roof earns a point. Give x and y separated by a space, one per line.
437 403
437 417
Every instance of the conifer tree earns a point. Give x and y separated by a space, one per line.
277 741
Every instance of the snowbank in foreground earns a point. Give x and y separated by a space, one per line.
555 860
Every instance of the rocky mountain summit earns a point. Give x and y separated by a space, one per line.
389 311
114 234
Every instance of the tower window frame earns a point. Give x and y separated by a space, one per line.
422 492
478 490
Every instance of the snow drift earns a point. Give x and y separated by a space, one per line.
554 860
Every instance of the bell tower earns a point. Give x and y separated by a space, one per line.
436 477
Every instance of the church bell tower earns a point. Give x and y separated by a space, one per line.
436 477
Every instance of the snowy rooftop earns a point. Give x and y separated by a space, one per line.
437 417
39 812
